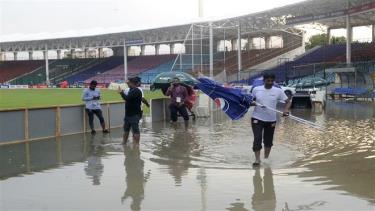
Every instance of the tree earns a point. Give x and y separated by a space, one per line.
316 40
338 40
321 40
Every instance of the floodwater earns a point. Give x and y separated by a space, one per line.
205 168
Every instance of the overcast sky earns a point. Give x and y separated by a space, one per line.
39 19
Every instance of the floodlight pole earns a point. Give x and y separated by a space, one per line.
211 51
225 56
192 47
200 9
239 49
201 49
47 65
349 35
125 61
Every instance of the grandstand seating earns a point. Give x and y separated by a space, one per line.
351 91
323 57
136 66
58 69
12 69
149 75
250 58
360 52
102 66
64 69
329 77
186 62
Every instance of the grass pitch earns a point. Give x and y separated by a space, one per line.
31 98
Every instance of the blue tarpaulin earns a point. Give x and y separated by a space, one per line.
232 101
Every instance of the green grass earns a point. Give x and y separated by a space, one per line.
31 98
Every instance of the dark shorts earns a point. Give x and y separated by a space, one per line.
263 132
132 122
175 110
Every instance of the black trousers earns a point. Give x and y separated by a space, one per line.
98 113
182 110
263 132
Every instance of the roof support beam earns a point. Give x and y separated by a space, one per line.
349 38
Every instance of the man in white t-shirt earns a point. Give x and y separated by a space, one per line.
263 120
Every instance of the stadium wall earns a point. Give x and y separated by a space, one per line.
29 124
40 123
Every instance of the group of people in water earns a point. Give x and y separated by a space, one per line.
263 121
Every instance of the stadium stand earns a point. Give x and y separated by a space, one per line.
136 66
58 70
13 69
186 62
323 57
147 67
102 66
329 77
64 69
351 91
250 58
360 52
149 75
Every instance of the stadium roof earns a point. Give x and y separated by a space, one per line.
331 13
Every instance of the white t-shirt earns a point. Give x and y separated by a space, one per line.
269 98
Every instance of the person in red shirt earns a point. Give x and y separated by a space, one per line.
191 100
179 97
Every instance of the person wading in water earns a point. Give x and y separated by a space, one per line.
133 112
179 97
263 120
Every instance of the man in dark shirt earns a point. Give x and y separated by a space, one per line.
179 96
133 112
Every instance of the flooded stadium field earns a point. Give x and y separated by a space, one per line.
205 168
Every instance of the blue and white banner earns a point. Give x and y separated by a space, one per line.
232 101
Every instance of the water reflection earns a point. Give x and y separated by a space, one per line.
176 153
350 110
310 206
237 206
44 155
345 169
202 178
335 163
264 197
135 177
13 160
94 168
342 156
